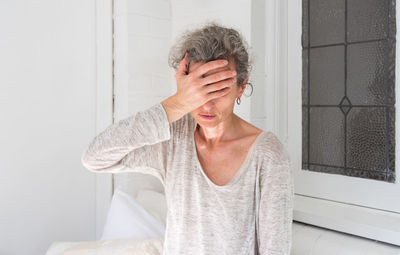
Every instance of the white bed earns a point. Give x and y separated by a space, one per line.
135 222
108 247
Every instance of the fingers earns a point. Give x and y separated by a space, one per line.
215 87
218 93
222 75
203 69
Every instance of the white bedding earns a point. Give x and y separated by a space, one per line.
149 246
134 226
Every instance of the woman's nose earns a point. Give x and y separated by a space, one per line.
209 105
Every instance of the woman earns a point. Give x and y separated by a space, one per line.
228 184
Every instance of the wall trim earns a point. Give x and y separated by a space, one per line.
356 220
104 101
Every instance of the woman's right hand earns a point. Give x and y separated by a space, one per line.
195 89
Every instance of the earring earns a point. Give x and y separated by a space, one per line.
238 100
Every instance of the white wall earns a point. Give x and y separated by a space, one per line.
142 76
47 109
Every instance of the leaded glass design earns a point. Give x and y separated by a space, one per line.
348 95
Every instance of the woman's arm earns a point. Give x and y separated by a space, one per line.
276 207
141 141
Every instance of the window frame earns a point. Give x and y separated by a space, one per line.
366 215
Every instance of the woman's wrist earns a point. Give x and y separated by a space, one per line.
174 110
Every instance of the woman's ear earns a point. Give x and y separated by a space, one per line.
245 80
187 68
243 87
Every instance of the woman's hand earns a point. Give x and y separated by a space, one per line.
194 89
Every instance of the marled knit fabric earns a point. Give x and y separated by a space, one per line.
203 218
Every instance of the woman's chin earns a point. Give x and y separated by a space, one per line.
207 122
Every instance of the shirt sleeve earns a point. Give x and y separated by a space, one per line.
139 143
276 207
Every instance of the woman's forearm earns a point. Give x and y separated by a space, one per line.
173 108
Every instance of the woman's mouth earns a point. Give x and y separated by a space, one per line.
206 116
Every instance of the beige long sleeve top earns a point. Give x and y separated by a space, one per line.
252 214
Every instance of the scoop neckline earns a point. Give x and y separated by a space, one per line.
238 172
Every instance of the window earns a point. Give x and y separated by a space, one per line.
348 95
337 79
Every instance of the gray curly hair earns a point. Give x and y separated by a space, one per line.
212 42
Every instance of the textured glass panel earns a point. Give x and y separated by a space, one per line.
326 75
367 72
305 136
326 136
327 169
375 175
327 22
371 174
304 34
348 87
366 138
367 19
391 68
392 145
392 18
304 88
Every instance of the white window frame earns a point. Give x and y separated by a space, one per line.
361 207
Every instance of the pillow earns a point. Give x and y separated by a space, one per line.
128 219
154 202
